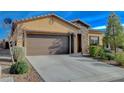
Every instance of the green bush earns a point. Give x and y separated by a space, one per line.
96 51
109 56
92 51
19 67
18 53
120 58
100 52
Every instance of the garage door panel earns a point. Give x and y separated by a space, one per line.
44 44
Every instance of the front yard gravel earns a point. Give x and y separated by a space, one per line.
31 76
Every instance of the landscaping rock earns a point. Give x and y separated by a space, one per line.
112 62
7 79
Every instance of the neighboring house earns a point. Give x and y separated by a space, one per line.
50 34
95 37
5 44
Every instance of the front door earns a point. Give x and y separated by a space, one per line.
79 42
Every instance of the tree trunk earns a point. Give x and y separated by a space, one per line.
114 40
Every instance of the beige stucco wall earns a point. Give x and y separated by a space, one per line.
13 36
84 37
100 38
46 24
18 36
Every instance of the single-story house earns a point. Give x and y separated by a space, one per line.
50 34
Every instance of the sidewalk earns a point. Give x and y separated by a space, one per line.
5 62
4 52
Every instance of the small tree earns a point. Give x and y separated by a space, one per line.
114 32
7 24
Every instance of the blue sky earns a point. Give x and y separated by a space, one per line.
97 19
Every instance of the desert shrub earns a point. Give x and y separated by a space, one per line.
120 58
18 53
109 56
96 51
102 53
20 67
93 50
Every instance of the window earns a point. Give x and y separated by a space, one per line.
94 40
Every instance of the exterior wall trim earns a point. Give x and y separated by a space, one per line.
46 33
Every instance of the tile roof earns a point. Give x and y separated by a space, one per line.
92 31
82 22
43 16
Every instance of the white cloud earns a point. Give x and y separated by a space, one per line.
102 27
99 27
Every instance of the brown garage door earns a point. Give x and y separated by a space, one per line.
47 44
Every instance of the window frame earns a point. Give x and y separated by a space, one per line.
94 40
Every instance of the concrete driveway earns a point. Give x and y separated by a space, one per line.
65 68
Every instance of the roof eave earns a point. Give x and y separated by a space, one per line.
81 22
38 17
